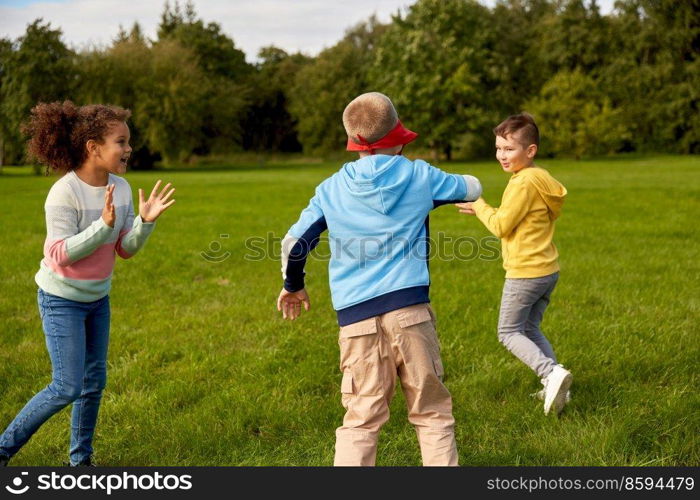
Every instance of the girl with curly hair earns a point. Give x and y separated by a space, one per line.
89 219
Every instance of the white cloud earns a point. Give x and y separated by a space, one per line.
294 25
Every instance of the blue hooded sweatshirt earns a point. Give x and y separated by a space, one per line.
376 212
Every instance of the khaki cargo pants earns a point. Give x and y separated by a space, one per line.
372 353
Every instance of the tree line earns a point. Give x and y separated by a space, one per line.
597 84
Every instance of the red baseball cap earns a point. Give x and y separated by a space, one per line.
397 136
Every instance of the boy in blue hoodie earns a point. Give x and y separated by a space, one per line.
376 211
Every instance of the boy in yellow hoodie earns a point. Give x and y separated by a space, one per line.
524 222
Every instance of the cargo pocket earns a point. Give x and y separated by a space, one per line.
346 386
359 329
415 317
346 390
359 357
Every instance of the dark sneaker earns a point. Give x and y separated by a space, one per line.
3 460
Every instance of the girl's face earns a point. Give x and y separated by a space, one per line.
512 155
114 152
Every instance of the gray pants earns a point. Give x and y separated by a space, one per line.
522 307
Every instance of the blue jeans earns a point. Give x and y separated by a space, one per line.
77 334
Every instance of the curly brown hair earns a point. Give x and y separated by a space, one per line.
59 131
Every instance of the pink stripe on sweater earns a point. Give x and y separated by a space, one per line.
96 266
118 247
55 251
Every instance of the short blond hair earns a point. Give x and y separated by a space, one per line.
371 115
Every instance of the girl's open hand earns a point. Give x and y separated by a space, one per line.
156 204
466 208
108 210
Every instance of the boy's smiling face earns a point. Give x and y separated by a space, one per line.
512 154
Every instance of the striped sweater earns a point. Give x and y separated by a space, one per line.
79 250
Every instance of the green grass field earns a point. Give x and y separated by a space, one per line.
203 370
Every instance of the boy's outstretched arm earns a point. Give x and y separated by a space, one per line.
449 188
301 238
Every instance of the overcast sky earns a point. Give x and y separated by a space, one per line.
294 25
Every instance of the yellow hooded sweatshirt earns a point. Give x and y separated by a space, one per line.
531 203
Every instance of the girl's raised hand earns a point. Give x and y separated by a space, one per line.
108 215
156 204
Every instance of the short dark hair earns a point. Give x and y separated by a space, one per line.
524 124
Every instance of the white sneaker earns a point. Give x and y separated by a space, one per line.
556 386
540 395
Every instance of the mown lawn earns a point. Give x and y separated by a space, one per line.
203 370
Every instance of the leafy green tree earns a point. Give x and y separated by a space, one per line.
575 118
515 64
38 67
172 102
575 35
323 88
269 125
224 107
226 76
119 75
652 73
433 64
674 102
216 52
5 55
